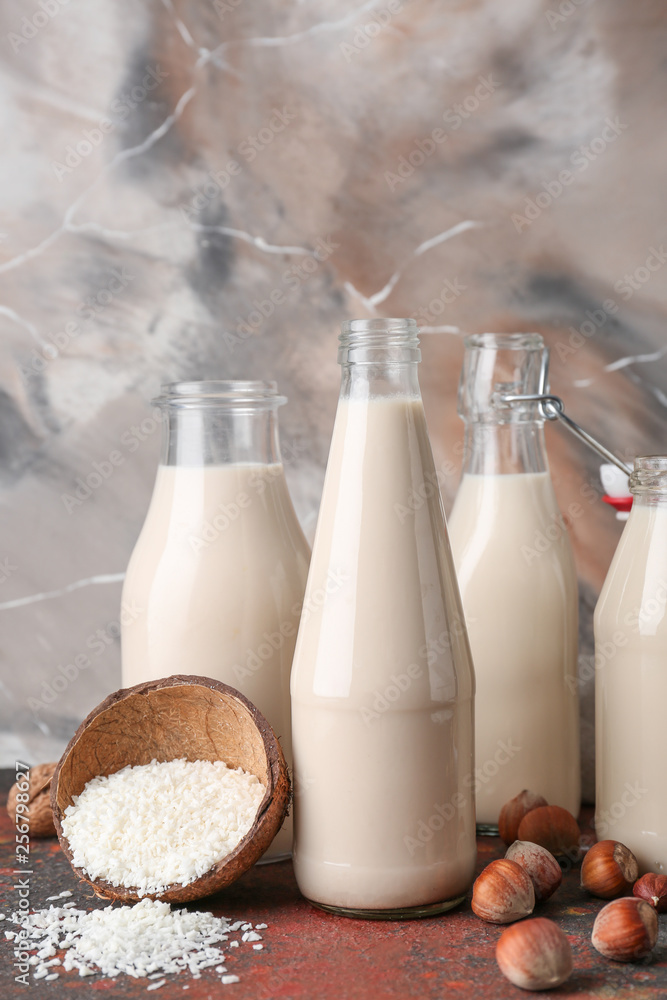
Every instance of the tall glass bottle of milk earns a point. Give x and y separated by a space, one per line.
382 683
631 677
518 584
216 580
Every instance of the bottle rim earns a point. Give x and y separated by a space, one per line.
378 327
649 475
380 340
220 392
505 341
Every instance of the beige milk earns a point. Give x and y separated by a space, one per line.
631 691
519 591
214 587
382 724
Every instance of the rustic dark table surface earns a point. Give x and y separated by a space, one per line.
310 954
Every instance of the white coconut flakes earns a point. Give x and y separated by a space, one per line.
154 825
148 940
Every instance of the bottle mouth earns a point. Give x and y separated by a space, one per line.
649 475
380 340
380 327
505 341
220 392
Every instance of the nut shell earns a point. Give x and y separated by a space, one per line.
503 893
180 716
40 816
535 955
652 888
513 812
552 827
544 870
609 870
625 930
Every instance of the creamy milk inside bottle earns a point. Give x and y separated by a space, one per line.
382 684
216 580
631 677
518 586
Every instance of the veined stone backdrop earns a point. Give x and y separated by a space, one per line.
209 187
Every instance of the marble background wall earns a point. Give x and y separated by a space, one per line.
168 164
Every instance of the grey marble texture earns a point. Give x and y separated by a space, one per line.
168 164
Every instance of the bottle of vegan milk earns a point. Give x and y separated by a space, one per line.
518 584
218 574
631 677
382 683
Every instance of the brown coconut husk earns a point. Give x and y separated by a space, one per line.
182 716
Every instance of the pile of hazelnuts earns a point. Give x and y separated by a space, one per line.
536 955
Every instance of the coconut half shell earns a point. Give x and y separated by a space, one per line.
189 717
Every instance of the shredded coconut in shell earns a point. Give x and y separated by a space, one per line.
154 825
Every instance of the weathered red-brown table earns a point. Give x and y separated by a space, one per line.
311 955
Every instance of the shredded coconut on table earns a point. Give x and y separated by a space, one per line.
154 825
147 940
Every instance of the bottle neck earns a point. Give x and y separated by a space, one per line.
220 423
211 436
649 501
504 449
372 381
502 438
379 358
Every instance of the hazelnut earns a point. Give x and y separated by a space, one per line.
542 866
40 817
535 955
609 870
625 930
513 812
552 827
503 893
652 888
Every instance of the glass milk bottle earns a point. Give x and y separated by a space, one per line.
631 677
382 683
518 584
217 576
